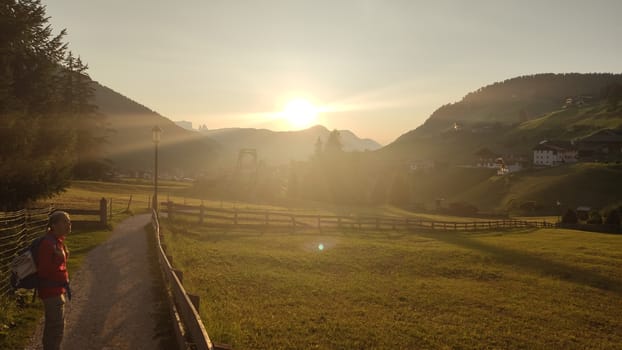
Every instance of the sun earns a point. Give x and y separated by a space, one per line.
300 113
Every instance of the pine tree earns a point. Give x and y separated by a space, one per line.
38 133
333 144
318 147
91 128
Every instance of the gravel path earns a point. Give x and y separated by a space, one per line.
113 295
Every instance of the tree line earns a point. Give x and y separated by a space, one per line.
49 130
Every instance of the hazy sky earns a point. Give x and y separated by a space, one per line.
378 68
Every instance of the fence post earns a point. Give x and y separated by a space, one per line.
196 300
179 274
201 214
293 223
170 209
110 212
129 204
103 215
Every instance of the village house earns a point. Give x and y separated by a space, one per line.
578 101
552 153
418 165
602 146
504 164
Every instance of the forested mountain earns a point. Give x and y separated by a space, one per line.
129 141
510 117
280 147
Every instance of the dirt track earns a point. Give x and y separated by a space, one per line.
113 298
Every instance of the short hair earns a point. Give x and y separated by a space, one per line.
55 217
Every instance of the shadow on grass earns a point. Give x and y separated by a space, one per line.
530 262
230 232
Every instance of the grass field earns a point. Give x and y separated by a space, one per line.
545 289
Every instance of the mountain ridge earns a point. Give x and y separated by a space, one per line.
280 147
129 143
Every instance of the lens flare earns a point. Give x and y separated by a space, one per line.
320 247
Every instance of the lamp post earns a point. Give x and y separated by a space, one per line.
156 131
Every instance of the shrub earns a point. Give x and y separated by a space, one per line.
613 218
595 218
570 217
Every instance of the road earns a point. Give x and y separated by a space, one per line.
113 295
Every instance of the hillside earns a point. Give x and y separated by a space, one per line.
582 184
279 147
512 116
130 145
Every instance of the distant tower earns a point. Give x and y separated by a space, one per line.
318 146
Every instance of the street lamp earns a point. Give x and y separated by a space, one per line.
156 131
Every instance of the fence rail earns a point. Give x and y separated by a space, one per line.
189 328
257 219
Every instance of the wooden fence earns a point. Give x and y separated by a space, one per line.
19 228
189 329
262 220
97 215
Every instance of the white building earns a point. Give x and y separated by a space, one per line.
552 153
184 124
504 164
421 165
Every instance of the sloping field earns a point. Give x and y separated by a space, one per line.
541 289
580 184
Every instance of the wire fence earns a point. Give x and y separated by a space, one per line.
17 230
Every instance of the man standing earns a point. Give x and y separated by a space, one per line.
54 278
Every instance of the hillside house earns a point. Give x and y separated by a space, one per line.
504 164
552 153
603 145
583 212
419 165
577 101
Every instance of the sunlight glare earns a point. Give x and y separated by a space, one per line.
300 113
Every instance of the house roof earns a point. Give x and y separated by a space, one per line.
604 136
554 145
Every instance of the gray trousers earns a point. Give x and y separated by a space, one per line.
54 322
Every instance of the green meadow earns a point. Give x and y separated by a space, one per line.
538 289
